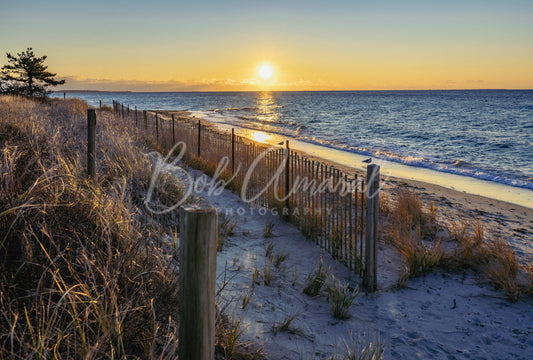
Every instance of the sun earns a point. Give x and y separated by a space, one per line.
266 71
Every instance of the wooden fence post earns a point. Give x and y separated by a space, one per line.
100 105
145 120
173 133
372 216
199 136
91 141
198 255
287 179
156 128
135 115
232 150
122 111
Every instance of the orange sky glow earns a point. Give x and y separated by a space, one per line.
336 45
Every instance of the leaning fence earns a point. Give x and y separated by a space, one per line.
329 206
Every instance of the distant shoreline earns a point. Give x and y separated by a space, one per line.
89 91
274 91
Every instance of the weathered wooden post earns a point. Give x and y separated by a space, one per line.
173 132
198 255
156 127
135 115
122 111
287 179
372 216
199 136
64 96
232 150
91 142
100 105
145 120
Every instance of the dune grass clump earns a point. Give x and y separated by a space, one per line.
419 257
225 229
502 269
408 211
228 341
412 231
369 350
316 280
285 325
341 298
269 230
73 255
472 249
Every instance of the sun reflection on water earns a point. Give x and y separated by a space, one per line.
267 107
260 136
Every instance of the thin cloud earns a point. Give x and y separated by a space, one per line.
214 84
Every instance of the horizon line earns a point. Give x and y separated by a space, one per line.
234 91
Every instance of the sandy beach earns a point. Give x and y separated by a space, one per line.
446 314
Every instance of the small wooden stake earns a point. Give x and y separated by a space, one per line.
145 120
287 178
198 256
199 136
156 128
232 150
173 132
91 143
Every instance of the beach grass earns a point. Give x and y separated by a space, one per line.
424 244
87 271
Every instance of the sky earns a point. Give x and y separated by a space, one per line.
208 45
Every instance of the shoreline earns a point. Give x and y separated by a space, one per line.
492 190
500 219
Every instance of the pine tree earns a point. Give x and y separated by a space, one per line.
26 75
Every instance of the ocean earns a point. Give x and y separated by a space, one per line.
482 134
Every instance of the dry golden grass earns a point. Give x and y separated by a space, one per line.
408 212
413 233
419 257
502 269
472 250
85 272
81 277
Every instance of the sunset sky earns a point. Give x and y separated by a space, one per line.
169 45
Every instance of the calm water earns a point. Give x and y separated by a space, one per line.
485 134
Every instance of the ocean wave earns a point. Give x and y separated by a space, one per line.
331 138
